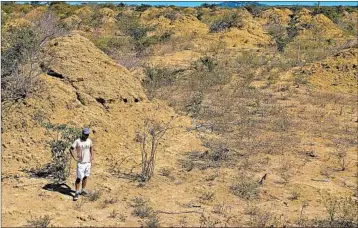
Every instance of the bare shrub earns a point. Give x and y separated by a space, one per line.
149 139
342 160
22 57
173 15
301 221
20 65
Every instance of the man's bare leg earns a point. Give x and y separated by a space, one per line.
84 182
77 185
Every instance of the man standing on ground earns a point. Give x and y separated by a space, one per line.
84 149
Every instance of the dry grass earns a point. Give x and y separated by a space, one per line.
94 195
41 221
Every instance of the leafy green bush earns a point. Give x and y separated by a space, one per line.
156 79
110 45
142 7
62 9
131 26
59 168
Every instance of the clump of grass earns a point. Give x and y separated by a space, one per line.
41 221
122 217
152 222
165 171
94 195
113 214
211 177
143 211
295 194
138 202
219 209
141 208
262 218
206 196
79 204
207 221
246 187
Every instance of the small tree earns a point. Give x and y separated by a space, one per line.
149 139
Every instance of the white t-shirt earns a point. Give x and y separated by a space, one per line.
84 147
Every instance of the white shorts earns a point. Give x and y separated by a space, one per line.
83 170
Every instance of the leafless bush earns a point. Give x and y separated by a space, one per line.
23 58
149 139
129 61
342 160
49 27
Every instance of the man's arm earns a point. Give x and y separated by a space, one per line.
71 150
92 154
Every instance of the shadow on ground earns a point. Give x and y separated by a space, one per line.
61 188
